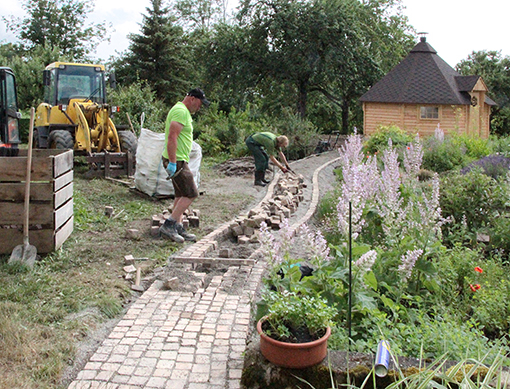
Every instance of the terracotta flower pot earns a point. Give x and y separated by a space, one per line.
293 355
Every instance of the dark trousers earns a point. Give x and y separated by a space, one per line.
260 155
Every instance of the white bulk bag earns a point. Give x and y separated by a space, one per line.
150 175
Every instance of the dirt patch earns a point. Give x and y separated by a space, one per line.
236 167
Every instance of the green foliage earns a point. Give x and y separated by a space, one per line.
219 131
500 145
302 134
495 71
136 100
290 311
58 25
301 50
448 154
28 69
378 141
157 56
473 200
495 166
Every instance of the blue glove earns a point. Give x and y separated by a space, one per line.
171 168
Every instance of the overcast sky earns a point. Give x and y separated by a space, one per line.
455 27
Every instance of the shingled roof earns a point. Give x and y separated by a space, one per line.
423 78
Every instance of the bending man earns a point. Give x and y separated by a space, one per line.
263 146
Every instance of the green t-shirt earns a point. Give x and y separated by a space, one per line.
267 140
180 114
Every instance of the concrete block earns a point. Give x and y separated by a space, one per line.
243 239
171 283
129 260
194 221
108 211
237 230
225 253
155 231
129 269
156 219
133 234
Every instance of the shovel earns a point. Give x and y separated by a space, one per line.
26 253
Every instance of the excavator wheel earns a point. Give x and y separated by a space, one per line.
60 139
128 142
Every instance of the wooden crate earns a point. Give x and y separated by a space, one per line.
51 199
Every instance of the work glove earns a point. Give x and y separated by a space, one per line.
171 168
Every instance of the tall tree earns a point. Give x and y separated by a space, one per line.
325 47
157 55
199 14
495 71
58 24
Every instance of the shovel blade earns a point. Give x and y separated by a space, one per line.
26 254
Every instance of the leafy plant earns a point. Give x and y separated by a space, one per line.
495 166
290 313
378 141
473 200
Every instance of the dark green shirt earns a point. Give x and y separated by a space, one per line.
266 140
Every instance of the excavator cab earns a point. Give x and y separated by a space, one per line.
9 115
75 114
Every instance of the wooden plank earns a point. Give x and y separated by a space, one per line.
63 180
42 240
62 163
14 169
63 195
43 161
64 232
12 213
63 214
15 191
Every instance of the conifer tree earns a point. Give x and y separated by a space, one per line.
157 55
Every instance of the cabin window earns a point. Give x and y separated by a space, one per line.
429 112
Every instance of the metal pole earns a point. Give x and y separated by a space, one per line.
350 274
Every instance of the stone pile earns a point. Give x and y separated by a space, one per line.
288 193
191 218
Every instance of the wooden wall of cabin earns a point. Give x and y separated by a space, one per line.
452 119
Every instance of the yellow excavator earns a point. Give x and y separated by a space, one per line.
75 115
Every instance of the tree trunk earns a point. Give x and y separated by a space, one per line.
345 115
302 99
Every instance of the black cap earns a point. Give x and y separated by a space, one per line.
199 94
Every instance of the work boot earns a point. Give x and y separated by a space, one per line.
182 232
264 178
258 178
169 230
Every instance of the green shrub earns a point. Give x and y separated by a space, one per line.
302 134
379 141
210 144
495 166
227 131
454 152
474 146
136 100
442 156
473 200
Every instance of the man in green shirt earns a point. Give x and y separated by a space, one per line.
264 146
179 139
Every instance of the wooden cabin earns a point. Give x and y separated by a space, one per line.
423 91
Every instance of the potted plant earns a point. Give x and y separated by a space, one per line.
295 331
